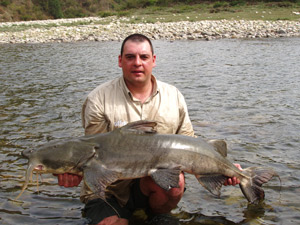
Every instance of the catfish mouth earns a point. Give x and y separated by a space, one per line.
38 168
31 168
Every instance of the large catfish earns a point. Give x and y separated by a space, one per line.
137 150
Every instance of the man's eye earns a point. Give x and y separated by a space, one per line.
130 57
145 57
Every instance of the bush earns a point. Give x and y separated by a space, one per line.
220 4
5 3
237 2
123 13
55 9
74 12
52 7
106 14
132 4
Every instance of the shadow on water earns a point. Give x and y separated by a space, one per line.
251 214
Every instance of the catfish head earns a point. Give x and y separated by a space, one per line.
58 157
26 153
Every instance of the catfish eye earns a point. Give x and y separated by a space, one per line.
27 152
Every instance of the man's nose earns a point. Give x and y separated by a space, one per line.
138 61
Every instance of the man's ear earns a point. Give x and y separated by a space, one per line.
154 60
120 61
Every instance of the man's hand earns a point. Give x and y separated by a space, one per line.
233 180
68 179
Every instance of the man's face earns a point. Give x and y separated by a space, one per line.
137 62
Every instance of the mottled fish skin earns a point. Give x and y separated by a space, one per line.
137 150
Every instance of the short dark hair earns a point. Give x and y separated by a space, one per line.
137 38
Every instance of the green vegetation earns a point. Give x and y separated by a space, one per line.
149 10
53 7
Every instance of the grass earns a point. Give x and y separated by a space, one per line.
196 12
217 11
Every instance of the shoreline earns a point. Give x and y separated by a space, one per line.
116 29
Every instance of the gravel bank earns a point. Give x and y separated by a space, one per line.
117 29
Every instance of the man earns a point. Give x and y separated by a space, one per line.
135 96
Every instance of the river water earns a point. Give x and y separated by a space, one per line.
244 91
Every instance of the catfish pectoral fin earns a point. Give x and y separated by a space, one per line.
212 182
166 178
97 178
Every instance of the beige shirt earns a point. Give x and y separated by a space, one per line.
111 105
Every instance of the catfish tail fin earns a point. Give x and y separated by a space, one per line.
251 188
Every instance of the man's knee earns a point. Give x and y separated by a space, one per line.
107 212
113 220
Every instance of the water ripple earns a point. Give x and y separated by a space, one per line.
244 91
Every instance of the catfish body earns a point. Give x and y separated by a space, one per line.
136 151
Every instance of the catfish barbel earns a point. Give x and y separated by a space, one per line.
137 150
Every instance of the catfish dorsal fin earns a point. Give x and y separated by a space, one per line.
141 126
220 146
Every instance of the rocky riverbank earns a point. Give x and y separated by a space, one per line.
97 29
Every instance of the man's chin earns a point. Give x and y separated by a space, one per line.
138 77
140 74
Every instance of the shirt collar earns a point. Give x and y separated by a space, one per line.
128 93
